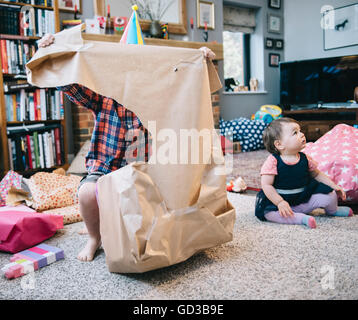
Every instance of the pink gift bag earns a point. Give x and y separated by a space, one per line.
21 229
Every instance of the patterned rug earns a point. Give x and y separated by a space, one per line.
246 165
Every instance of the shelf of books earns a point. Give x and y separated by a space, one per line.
32 104
31 18
32 120
35 146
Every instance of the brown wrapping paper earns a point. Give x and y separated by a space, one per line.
159 213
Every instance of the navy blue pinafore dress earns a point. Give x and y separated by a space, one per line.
293 183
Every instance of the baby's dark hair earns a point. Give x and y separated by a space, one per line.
273 132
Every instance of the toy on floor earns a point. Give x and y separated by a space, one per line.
32 259
268 113
237 185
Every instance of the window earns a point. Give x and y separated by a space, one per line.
239 23
233 56
236 58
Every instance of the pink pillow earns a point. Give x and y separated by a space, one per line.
337 155
21 228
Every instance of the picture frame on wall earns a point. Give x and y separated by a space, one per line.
278 44
340 27
269 43
69 5
274 4
274 60
274 23
205 14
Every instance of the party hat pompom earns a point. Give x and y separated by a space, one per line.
135 7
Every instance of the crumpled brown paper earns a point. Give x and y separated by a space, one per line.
16 197
152 214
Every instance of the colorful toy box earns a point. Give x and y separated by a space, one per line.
31 259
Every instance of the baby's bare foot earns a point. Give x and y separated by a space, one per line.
89 250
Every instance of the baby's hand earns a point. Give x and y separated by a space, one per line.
340 192
46 40
284 209
208 53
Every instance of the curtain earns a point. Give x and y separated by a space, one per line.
239 19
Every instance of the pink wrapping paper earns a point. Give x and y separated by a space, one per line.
21 229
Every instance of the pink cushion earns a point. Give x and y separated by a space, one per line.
337 155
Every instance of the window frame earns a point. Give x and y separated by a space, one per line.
247 58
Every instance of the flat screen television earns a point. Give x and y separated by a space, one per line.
307 83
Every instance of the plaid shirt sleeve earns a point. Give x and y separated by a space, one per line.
83 96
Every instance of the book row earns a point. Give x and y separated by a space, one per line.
14 55
37 105
26 21
38 149
46 3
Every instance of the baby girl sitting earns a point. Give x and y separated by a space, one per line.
292 186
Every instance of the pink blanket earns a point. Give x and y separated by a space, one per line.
337 155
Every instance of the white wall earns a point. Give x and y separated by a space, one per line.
303 32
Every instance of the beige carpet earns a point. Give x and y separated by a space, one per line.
264 261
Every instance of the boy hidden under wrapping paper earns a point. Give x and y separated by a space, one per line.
158 213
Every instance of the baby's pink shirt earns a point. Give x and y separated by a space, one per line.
270 165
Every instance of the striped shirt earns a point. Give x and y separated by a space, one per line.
118 136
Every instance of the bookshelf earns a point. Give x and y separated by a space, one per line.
29 116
